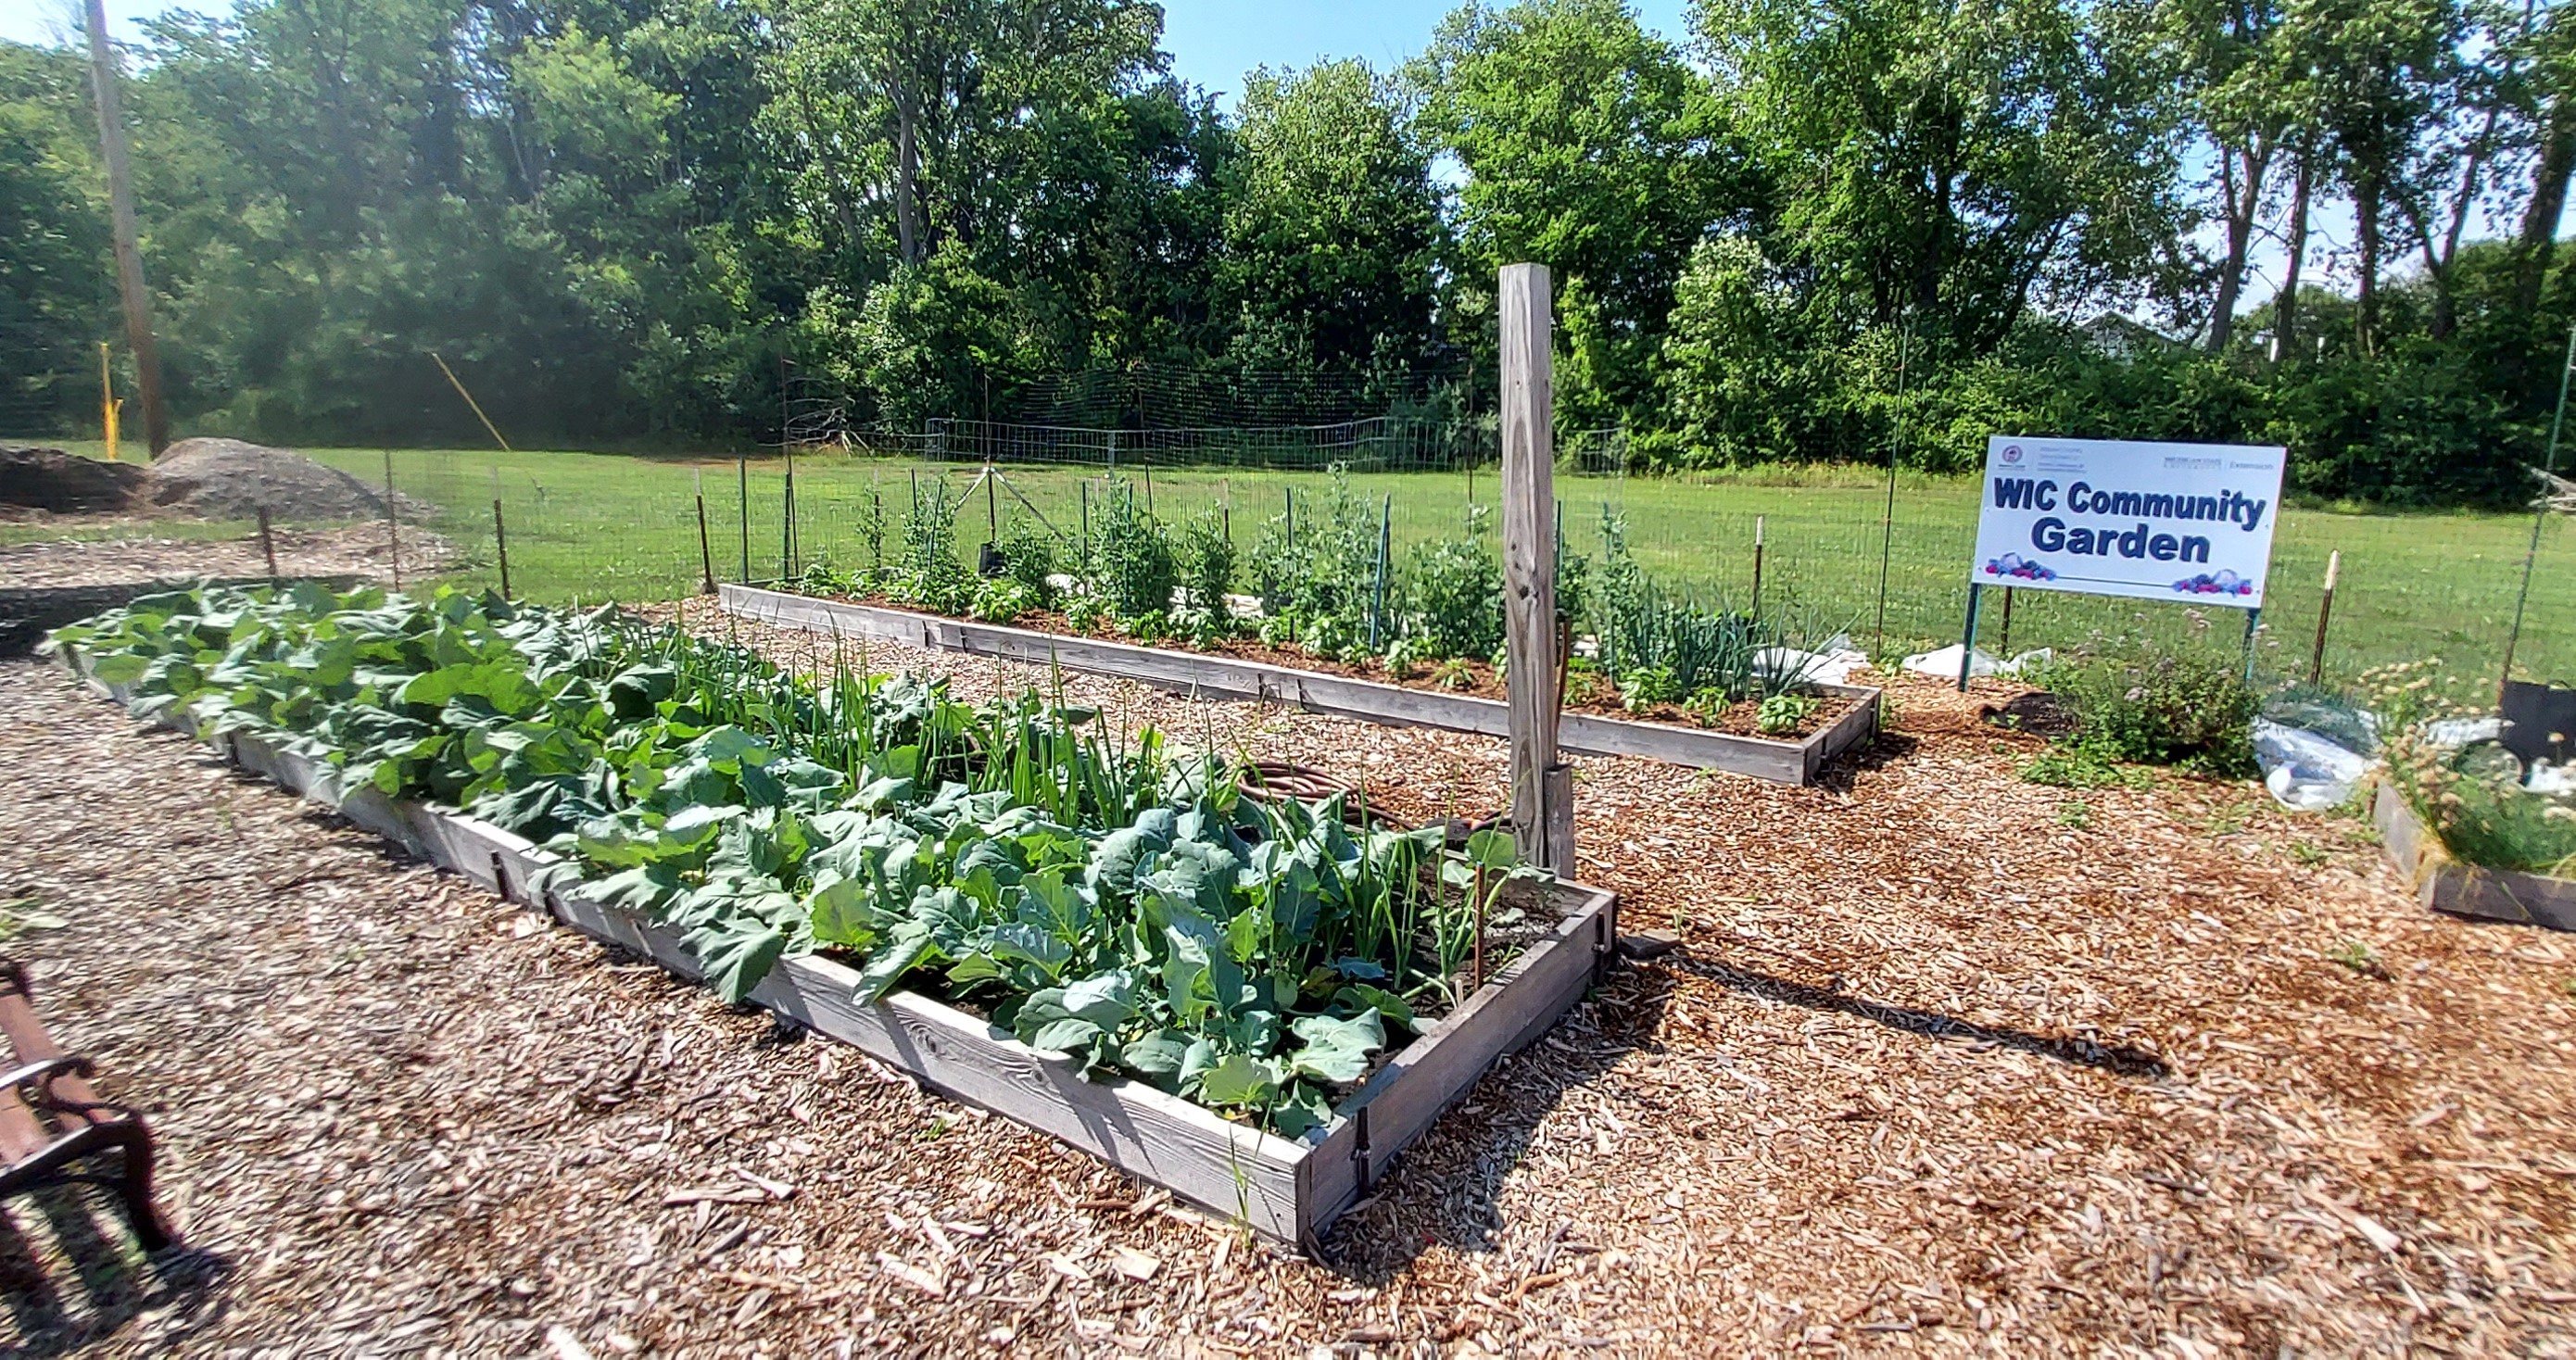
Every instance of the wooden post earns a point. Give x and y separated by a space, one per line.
267 545
2325 612
393 523
501 533
128 236
1529 554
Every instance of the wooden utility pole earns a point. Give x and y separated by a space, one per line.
129 247
1542 785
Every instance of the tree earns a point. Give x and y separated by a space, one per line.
1584 150
56 284
2379 69
1333 235
1956 164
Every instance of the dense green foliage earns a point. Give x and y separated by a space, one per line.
1802 233
2138 703
1096 895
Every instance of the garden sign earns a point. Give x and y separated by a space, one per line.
2146 521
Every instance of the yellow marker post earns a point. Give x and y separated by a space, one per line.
107 402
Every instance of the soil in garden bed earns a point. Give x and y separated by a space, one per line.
1586 692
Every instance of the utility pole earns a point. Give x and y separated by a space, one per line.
129 247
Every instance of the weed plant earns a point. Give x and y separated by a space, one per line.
2138 702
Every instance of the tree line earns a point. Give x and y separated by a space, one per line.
1806 231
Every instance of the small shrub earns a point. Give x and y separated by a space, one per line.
2471 796
2141 704
1029 555
1002 599
931 576
1451 593
1648 686
1134 567
1454 673
1206 569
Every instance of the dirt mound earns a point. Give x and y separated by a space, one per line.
63 483
228 479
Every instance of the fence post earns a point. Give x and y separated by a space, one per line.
393 523
501 535
742 473
706 555
267 545
1544 834
2325 613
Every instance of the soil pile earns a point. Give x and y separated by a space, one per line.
228 479
63 483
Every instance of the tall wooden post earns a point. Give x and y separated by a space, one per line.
128 235
1544 833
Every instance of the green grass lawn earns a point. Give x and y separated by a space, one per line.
586 526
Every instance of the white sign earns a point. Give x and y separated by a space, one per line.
2187 522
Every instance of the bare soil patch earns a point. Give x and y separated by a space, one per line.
1941 1066
50 480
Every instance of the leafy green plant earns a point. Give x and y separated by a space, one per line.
1450 594
1644 627
2075 767
1134 565
1206 571
2074 814
1002 599
2358 956
1092 892
1647 687
1315 569
1029 554
930 574
1785 713
2141 703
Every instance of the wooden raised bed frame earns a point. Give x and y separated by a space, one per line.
1782 762
1289 1190
2445 884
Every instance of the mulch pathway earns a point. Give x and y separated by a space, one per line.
1945 1063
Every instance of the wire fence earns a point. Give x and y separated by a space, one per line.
1806 546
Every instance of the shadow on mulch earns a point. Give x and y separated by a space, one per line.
1443 1191
2118 1059
1842 773
110 1280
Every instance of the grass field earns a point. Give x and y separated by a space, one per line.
610 526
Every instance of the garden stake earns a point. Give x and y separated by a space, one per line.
501 534
393 523
267 545
1757 564
1377 597
2325 611
1476 978
2557 422
742 470
706 555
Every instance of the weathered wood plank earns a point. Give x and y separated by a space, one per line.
1319 692
1283 1189
2445 884
1530 644
1407 1095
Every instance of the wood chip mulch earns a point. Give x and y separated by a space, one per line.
351 550
1944 1063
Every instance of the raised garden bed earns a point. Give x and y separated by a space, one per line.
1784 762
2443 883
1287 1189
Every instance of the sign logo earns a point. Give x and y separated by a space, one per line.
2012 453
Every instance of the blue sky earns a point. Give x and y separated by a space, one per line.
1212 42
